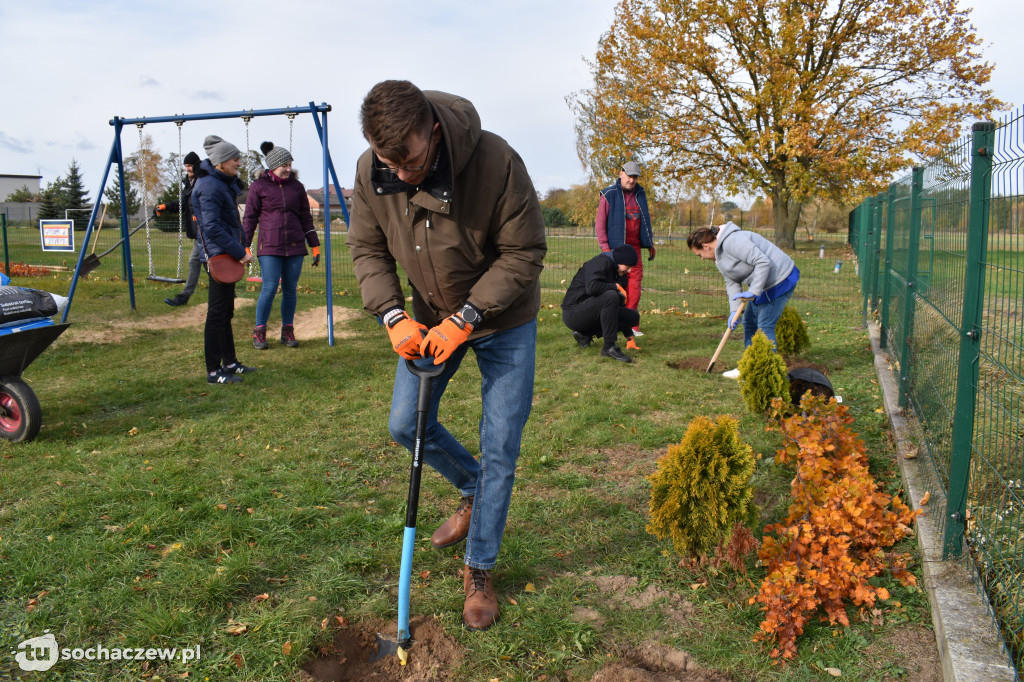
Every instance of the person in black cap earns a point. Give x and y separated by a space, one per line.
623 218
595 304
195 264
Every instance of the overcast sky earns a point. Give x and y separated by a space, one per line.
71 65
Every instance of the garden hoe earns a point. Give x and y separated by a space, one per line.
386 647
725 336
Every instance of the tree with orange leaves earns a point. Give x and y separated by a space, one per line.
790 99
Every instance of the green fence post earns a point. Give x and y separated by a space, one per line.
864 233
890 226
982 136
7 260
876 248
910 296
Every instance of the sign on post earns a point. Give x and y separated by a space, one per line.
57 235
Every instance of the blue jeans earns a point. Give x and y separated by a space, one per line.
506 362
763 316
274 269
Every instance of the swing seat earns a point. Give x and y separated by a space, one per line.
167 280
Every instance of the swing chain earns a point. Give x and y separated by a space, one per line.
145 200
291 130
181 201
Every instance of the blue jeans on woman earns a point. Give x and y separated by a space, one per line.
506 362
274 269
763 316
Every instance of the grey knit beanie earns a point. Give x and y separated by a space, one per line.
278 156
220 150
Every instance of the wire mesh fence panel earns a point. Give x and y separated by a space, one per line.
996 530
930 287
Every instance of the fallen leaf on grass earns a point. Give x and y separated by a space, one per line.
134 431
424 575
236 629
513 602
834 672
286 648
239 661
261 597
911 453
529 588
341 620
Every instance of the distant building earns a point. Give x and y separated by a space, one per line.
12 183
316 202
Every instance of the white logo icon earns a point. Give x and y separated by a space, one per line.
38 653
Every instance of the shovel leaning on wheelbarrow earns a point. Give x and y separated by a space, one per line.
386 647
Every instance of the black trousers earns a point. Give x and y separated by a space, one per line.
218 340
604 316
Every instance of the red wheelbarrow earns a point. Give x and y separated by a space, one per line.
20 344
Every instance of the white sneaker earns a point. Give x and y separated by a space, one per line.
732 374
637 332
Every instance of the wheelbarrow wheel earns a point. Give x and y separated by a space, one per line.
20 414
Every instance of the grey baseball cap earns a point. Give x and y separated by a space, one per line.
631 168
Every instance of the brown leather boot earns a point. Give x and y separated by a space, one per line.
456 528
481 609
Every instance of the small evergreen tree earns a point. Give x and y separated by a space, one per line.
73 192
113 196
22 194
791 336
50 207
762 374
701 488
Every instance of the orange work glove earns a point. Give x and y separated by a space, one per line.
316 256
445 338
157 209
631 344
248 251
405 332
622 292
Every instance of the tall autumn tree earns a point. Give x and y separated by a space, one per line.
787 98
147 172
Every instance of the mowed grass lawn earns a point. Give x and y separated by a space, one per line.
155 510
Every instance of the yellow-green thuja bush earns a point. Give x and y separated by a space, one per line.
791 333
701 488
762 374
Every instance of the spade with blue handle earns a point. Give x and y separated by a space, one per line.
386 647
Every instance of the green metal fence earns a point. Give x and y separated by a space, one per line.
942 254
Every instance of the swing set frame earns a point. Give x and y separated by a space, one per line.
319 113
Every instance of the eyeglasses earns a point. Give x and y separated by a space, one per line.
413 169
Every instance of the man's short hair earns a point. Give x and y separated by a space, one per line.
390 112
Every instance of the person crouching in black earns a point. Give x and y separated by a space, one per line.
595 304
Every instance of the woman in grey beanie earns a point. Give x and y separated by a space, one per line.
214 202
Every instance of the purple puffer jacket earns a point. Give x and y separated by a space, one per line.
282 211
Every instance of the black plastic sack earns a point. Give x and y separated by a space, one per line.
803 379
19 303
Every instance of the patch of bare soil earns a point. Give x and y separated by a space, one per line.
698 364
310 324
793 363
624 591
347 659
912 648
654 662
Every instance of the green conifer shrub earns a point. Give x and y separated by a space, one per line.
791 333
701 488
762 374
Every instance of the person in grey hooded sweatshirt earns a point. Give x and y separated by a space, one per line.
747 258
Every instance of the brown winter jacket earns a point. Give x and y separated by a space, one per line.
482 244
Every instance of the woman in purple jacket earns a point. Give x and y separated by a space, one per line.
277 202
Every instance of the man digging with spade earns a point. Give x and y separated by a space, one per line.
454 206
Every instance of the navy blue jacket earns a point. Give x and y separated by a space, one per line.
215 207
617 216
